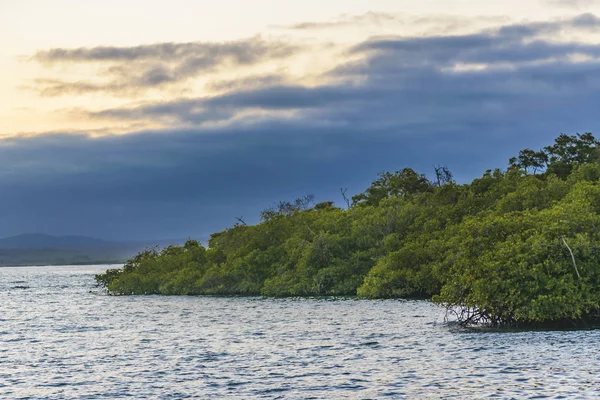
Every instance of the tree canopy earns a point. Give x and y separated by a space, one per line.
511 248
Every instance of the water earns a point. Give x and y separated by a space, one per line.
62 339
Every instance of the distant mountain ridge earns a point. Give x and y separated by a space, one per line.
43 249
43 241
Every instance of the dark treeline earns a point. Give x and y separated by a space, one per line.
512 248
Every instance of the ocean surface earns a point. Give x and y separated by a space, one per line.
62 338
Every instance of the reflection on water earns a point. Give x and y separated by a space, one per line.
62 339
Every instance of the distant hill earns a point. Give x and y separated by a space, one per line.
42 249
42 241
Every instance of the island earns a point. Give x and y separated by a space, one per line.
514 248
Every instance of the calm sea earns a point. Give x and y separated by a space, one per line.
61 338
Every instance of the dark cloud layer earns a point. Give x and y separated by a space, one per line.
180 183
414 102
134 69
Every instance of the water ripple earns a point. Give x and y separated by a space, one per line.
62 339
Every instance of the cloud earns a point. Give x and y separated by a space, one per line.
371 18
225 106
195 55
491 50
383 19
467 101
171 184
57 87
254 81
575 4
133 69
506 66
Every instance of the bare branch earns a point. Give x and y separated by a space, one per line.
241 220
572 257
346 199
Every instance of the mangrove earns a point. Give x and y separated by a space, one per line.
516 247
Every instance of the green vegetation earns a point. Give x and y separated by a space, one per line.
512 248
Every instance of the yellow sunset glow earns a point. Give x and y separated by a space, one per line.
27 103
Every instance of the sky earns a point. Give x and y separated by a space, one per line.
139 120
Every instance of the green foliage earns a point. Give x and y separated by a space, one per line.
496 250
398 184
